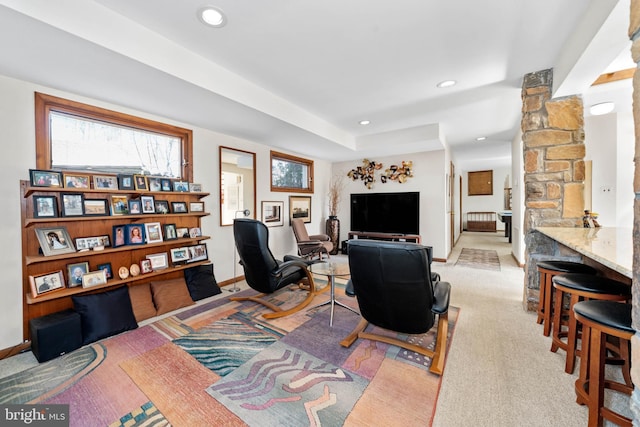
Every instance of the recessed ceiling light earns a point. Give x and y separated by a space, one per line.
447 83
364 122
481 138
602 108
212 16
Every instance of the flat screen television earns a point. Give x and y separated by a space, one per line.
386 212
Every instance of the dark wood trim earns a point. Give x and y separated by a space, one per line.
16 349
301 160
614 76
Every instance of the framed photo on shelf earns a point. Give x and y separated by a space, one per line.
119 235
145 266
158 261
135 207
45 178
195 232
140 182
94 278
170 232
86 243
195 188
179 255
196 207
197 253
107 268
300 207
45 207
125 182
72 204
95 207
119 205
76 180
180 186
75 273
182 232
43 283
134 234
54 241
178 207
166 184
155 184
105 182
148 205
272 214
162 206
153 231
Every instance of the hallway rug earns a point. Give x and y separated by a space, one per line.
486 259
236 368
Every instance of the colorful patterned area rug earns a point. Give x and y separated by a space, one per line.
222 363
486 259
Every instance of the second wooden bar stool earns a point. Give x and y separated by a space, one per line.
546 271
580 287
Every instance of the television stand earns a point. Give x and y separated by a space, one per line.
394 237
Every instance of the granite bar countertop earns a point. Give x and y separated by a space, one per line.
610 246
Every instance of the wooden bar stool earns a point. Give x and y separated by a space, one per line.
546 271
601 320
580 287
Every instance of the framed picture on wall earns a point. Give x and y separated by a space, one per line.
300 207
272 214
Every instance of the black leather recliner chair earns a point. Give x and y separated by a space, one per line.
263 272
392 281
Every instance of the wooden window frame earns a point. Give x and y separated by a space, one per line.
45 104
289 158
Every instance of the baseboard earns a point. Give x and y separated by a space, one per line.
16 349
440 260
516 260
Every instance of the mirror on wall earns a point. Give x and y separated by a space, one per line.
237 184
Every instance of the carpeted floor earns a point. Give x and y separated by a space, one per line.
486 259
221 363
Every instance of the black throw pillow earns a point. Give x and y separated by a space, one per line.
201 282
105 314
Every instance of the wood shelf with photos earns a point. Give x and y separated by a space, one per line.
37 265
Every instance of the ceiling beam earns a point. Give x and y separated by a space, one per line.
614 76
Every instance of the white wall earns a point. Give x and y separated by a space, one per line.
610 144
428 179
491 203
517 201
18 139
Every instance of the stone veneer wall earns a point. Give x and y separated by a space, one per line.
634 35
553 150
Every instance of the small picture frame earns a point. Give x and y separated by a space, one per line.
45 178
182 232
54 241
44 283
162 206
105 182
119 235
198 253
76 180
170 232
178 207
72 204
159 261
87 243
134 234
180 186
155 184
148 205
96 207
166 184
75 273
272 214
125 182
140 182
119 205
45 207
300 207
153 232
135 207
179 255
145 266
94 278
195 232
195 188
196 207
107 268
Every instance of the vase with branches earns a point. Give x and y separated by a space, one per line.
333 223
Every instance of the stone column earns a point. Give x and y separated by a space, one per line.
553 150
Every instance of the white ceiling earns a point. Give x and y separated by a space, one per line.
301 74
